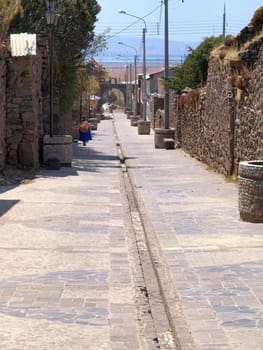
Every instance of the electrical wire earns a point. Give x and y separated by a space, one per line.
124 29
204 27
193 28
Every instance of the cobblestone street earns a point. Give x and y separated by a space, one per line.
71 276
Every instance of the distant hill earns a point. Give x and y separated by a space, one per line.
154 49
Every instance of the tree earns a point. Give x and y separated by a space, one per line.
193 72
8 10
74 38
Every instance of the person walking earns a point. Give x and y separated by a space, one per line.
85 132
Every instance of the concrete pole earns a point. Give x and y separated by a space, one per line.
136 85
166 66
144 98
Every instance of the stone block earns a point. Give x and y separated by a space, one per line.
160 135
58 144
93 123
53 161
168 143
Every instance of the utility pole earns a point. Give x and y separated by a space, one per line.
224 24
166 66
144 98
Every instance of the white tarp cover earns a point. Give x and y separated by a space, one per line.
23 44
94 98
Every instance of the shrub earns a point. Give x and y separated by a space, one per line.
193 72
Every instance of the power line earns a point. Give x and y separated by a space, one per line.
124 29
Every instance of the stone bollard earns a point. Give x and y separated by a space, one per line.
144 127
59 145
93 123
133 120
98 117
129 114
160 135
250 190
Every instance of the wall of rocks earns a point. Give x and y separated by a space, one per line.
249 114
24 108
2 109
23 111
222 124
156 103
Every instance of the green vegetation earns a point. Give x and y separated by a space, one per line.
74 39
231 178
8 10
193 72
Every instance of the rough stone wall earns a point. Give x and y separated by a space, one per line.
23 110
217 118
249 115
155 104
203 121
172 108
223 123
2 110
189 124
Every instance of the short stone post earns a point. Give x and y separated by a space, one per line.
57 148
160 135
144 127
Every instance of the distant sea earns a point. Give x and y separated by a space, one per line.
173 60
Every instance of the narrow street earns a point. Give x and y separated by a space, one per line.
130 248
74 258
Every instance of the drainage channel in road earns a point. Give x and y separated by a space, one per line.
155 328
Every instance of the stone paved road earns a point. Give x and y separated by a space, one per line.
65 268
215 260
66 280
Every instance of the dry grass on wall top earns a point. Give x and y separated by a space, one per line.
257 19
229 50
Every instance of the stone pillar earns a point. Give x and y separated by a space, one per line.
23 110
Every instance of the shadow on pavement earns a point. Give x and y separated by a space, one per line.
84 159
6 204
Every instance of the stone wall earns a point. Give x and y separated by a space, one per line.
2 109
23 111
217 107
156 103
24 108
203 119
222 124
249 115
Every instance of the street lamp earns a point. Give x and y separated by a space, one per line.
52 19
135 73
144 97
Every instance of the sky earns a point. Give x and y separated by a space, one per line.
189 20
